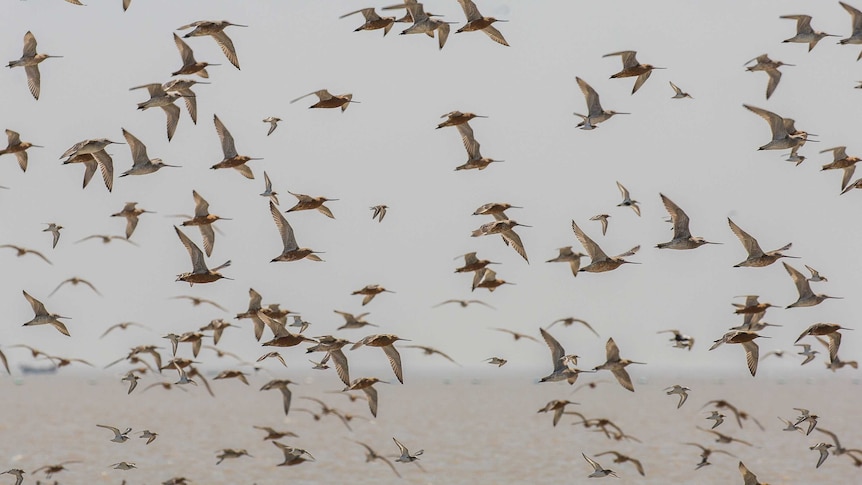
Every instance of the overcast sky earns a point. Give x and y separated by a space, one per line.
701 153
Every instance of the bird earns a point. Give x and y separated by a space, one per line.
679 339
272 434
5 362
379 212
475 21
631 67
385 341
232 374
54 229
599 261
764 63
273 123
371 455
840 160
17 473
122 326
598 470
132 379
678 93
815 276
183 88
123 465
18 148
231 158
617 366
281 385
806 296
353 321
823 448
464 303
165 100
566 255
746 338
42 317
54 469
782 138
196 301
830 330
325 99
118 436
756 257
225 453
557 406
856 24
748 477
22 251
561 370
806 416
292 456
273 196
141 163
215 29
75 281
499 362
682 238
804 33
369 292
839 450
475 160
717 417
190 65
30 62
373 21
308 202
131 213
515 335
620 458
406 457
723 438
431 351
807 352
777 353
627 200
200 273
204 221
677 389
366 385
595 113
505 227
455 118
603 218
424 24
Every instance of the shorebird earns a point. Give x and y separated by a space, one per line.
475 159
562 371
231 158
746 338
385 341
90 161
680 340
30 62
782 138
22 251
595 113
215 29
682 238
54 229
379 212
515 335
856 24
272 434
806 416
806 296
291 251
273 124
804 33
75 281
829 330
190 65
464 303
281 385
475 21
369 292
273 196
232 374
617 366
42 317
18 148
723 438
499 362
200 273
204 220
17 473
366 385
569 321
196 301
489 281
455 118
631 67
764 63
840 160
274 355
620 458
424 24
124 465
598 470
306 202
599 261
679 94
815 275
118 436
406 457
823 448
505 227
131 214
165 100
681 390
567 256
431 351
54 469
132 379
141 163
371 455
292 456
603 218
325 99
372 20
183 88
807 352
756 257
740 415
353 321
557 406
839 450
627 200
230 453
748 477
717 417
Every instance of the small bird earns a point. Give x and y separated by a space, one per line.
54 229
682 391
75 281
325 99
307 202
475 160
679 340
281 385
131 213
406 457
379 212
717 417
118 436
124 465
292 456
122 326
431 351
454 118
190 65
215 29
423 23
806 416
566 255
464 303
42 317
373 21
804 33
557 406
815 276
748 477
17 473
856 23
499 362
30 62
273 196
515 335
475 21
371 455
132 378
385 341
568 321
756 257
230 453
369 292
807 352
22 251
620 458
631 67
603 218
599 261
231 158
561 370
746 338
273 124
196 301
598 470
682 238
627 200
617 366
141 162
200 273
764 63
18 147
595 113
291 250
679 94
830 330
159 98
823 448
366 385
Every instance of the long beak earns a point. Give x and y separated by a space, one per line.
175 166
238 25
255 159
617 113
52 56
521 225
36 146
479 116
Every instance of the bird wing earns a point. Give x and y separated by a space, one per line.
751 355
394 361
106 166
515 241
38 307
678 217
495 35
557 351
284 228
801 282
29 44
227 143
196 255
774 78
776 123
341 366
628 58
623 378
612 351
139 151
186 52
593 249
470 10
33 80
748 242
227 47
592 97
371 393
470 143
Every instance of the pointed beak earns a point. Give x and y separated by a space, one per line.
36 146
523 225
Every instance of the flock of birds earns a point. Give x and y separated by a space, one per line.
148 362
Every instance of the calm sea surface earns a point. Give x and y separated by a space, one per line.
473 432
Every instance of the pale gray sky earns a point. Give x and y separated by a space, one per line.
702 153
